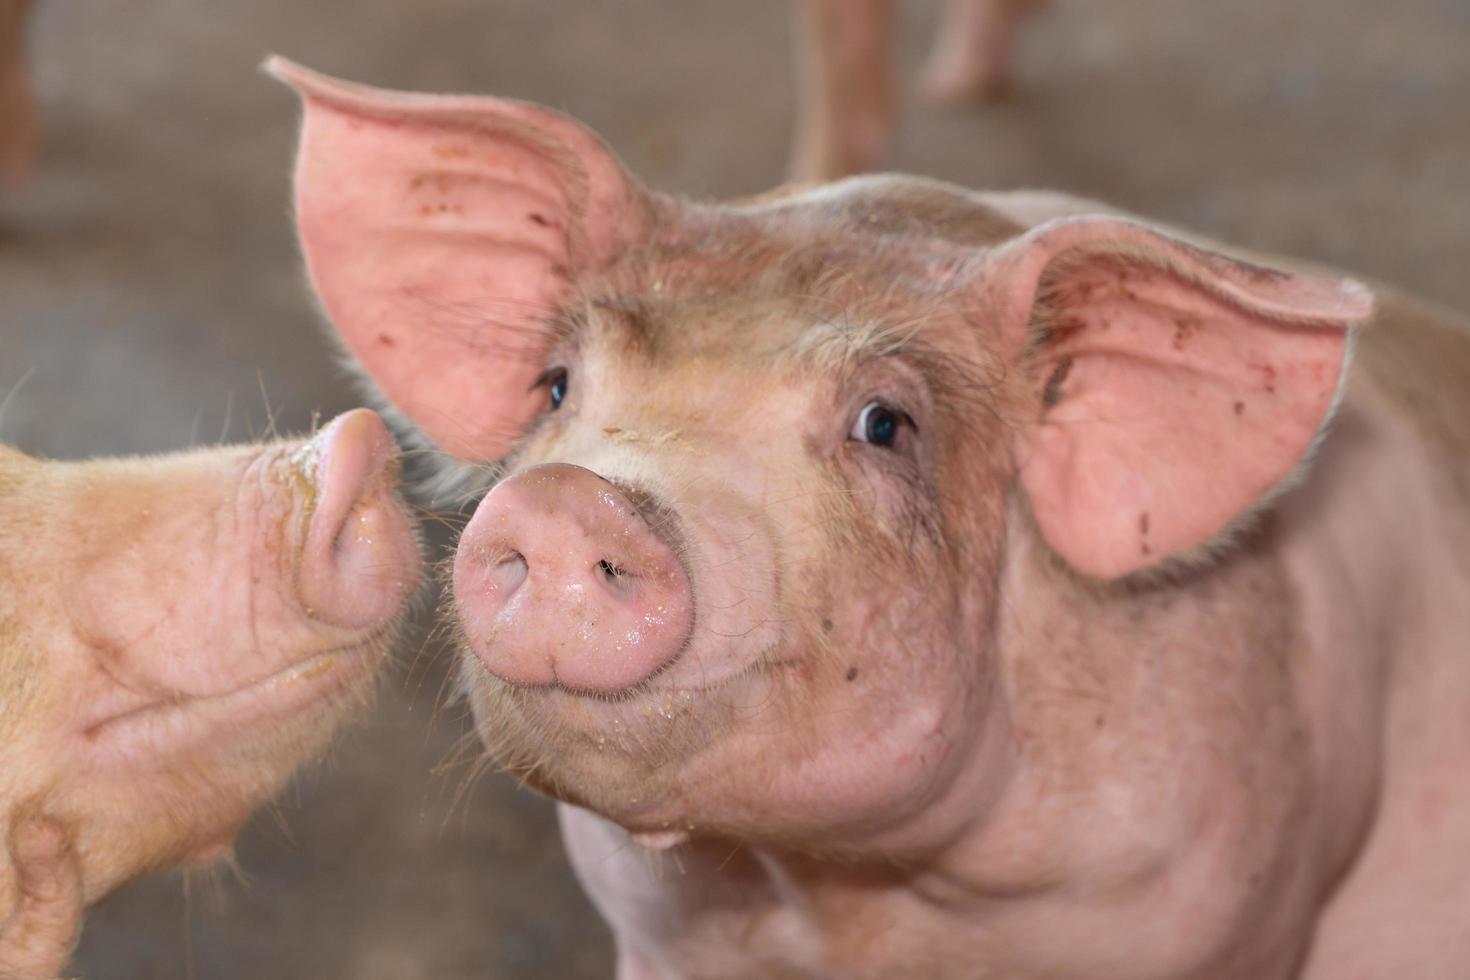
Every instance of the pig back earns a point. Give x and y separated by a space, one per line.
1417 360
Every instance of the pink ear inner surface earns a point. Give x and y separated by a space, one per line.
442 235
1174 387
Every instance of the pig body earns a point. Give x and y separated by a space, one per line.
177 635
953 584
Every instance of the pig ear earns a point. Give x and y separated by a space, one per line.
443 234
1171 388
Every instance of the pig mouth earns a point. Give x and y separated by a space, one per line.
173 724
660 721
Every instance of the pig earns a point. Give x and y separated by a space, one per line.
845 102
890 579
177 635
20 130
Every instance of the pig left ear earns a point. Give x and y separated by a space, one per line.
444 234
1170 389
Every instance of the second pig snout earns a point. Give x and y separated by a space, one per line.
361 558
560 580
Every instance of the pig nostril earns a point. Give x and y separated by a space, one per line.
617 579
509 570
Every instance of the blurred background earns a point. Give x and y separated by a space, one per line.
151 298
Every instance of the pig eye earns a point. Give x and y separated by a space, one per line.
555 381
879 424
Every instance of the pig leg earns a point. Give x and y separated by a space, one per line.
37 939
844 117
19 130
972 53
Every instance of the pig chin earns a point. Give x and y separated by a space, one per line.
621 758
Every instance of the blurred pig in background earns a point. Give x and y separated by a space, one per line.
150 287
846 101
19 128
177 635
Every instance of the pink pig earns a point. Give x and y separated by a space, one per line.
954 584
845 101
20 132
177 635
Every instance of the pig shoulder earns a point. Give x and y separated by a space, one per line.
1390 497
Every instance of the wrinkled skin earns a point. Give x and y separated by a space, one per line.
177 635
1124 641
845 98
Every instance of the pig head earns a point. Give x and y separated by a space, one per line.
178 634
774 469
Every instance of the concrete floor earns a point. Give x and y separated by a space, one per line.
150 294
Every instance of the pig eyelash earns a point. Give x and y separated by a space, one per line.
880 423
555 380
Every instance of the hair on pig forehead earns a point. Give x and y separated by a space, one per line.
812 311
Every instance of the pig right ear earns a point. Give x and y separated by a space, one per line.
443 234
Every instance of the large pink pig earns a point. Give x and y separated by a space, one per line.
177 635
954 584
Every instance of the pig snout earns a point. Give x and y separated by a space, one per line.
359 540
559 579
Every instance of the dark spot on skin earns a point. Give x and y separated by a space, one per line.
1240 408
1052 393
1143 533
538 219
1098 722
1184 328
826 626
851 673
1064 327
386 340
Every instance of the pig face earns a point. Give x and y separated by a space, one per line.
764 462
694 595
177 634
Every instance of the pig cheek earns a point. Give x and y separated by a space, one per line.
137 605
900 688
898 658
